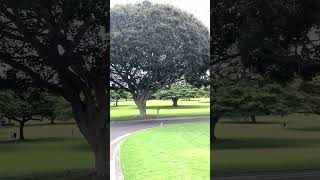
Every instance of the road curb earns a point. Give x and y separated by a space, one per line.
115 167
157 119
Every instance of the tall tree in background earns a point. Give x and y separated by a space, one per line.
63 46
24 105
153 46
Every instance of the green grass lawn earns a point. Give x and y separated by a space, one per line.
265 147
51 152
179 151
128 110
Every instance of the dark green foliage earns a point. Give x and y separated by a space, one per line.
245 99
63 46
23 105
280 39
181 90
118 94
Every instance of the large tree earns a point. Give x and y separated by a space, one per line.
279 39
63 46
153 46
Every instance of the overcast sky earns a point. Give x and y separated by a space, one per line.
199 8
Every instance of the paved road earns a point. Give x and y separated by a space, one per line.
119 128
307 175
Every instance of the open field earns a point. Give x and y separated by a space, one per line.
59 151
268 146
178 151
128 110
52 152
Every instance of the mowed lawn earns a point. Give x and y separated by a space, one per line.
52 152
127 110
180 151
267 146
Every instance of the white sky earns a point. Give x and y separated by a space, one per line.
199 8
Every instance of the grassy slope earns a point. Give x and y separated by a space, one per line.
128 110
253 148
169 152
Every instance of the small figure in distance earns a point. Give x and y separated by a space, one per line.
284 124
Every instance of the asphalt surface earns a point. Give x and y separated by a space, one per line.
120 128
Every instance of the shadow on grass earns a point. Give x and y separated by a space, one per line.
43 144
67 175
124 106
248 122
257 143
179 107
310 129
49 124
33 140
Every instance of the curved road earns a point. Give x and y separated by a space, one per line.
120 128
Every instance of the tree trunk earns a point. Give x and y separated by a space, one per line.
141 102
253 118
116 102
52 121
175 102
21 134
213 121
94 128
92 119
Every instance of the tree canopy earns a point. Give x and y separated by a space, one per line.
277 39
62 46
153 46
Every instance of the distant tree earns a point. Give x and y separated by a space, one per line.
238 92
153 46
248 99
175 92
62 109
311 92
181 90
202 92
116 95
25 105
